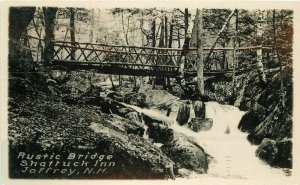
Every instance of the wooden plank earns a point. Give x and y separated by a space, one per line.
74 62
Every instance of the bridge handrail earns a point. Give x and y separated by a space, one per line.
168 49
112 51
74 62
158 48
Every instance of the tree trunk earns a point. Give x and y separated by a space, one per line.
200 65
162 35
230 43
261 73
237 23
178 37
162 44
153 28
171 33
282 95
19 18
49 16
92 14
166 31
112 82
72 32
219 34
234 57
186 22
166 45
125 32
120 80
234 67
193 43
142 28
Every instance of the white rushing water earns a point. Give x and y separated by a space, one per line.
233 156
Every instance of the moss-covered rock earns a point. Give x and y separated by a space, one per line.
183 113
252 119
276 126
186 153
200 124
45 124
137 99
267 151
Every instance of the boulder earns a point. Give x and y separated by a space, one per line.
277 126
182 172
199 108
122 111
160 133
109 105
267 150
134 117
150 120
284 154
94 91
82 131
137 99
78 83
186 153
183 113
164 100
252 119
200 124
59 76
125 125
116 96
138 158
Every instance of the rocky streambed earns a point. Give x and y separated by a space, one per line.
46 123
70 119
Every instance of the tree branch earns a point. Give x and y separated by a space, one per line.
219 34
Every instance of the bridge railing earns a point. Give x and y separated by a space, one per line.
142 56
35 45
145 59
88 52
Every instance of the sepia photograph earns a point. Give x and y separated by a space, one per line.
150 93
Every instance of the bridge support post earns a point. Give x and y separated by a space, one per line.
169 83
134 79
112 82
153 83
120 80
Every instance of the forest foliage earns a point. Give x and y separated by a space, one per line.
142 27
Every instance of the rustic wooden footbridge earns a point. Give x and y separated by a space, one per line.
137 61
141 61
180 63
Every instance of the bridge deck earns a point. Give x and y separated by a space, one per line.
130 68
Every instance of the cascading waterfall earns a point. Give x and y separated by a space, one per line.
146 136
233 156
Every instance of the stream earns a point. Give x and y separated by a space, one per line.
233 156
